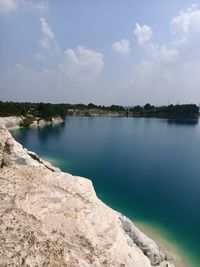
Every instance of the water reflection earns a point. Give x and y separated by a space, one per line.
49 131
183 121
21 135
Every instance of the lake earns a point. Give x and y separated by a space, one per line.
146 168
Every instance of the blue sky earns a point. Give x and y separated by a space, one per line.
103 51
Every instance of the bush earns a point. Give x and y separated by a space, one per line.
27 122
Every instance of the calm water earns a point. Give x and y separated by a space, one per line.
149 169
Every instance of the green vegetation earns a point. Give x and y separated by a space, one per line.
47 110
14 109
42 110
27 121
186 110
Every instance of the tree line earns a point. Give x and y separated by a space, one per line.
42 110
166 111
48 110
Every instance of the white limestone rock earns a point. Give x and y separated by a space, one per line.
57 120
13 122
51 218
38 122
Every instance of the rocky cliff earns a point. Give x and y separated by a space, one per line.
51 218
38 122
13 122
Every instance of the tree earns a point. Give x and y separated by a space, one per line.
148 107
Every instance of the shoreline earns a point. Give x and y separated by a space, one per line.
156 233
166 244
125 243
16 122
143 249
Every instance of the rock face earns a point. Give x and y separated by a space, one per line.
38 122
51 218
13 122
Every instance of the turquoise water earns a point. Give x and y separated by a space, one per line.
149 169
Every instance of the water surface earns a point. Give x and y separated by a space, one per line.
149 169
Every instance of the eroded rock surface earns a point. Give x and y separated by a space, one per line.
51 218
13 122
38 122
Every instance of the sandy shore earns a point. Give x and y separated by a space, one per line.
166 244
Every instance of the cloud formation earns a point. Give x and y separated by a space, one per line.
161 53
123 46
7 6
143 33
75 79
47 33
153 50
40 56
187 21
170 71
46 29
155 72
41 6
82 63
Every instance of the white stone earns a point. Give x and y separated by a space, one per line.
51 218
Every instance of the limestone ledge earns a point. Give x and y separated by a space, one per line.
51 218
41 122
14 122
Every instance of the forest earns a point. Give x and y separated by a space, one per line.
49 110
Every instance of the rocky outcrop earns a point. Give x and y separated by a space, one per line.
51 218
56 120
38 122
14 122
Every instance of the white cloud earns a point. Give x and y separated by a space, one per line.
38 5
143 33
143 73
163 84
82 63
47 34
123 46
40 56
154 51
161 53
46 29
165 54
71 56
6 6
44 42
187 21
28 84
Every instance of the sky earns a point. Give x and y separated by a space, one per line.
106 52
